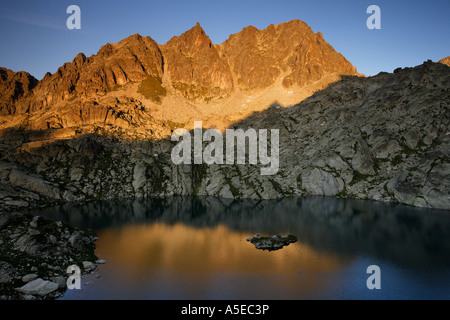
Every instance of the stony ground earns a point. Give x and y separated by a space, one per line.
35 254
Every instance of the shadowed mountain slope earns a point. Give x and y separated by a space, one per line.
383 138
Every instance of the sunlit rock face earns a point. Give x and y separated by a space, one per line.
190 69
290 51
14 86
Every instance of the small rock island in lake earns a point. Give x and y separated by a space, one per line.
272 243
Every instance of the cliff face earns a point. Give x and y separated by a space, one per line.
290 51
132 59
195 67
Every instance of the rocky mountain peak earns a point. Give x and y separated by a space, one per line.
290 51
289 55
133 40
132 59
191 41
195 67
79 60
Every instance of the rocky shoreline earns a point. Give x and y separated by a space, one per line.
35 254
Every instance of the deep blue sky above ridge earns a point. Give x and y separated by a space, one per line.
34 36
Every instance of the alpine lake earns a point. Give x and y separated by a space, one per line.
315 248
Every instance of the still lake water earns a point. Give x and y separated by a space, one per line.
195 248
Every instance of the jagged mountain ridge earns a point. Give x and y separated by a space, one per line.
289 50
132 59
192 67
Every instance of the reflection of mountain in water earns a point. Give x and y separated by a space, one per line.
160 246
404 235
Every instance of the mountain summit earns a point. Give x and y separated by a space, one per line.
187 77
290 51
195 67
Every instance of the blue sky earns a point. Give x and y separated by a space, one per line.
34 36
